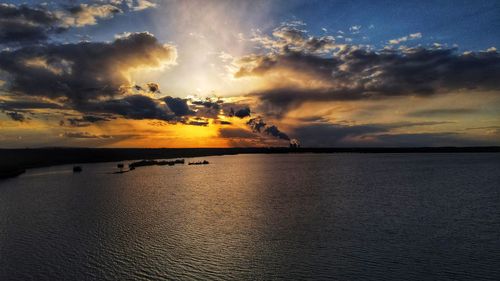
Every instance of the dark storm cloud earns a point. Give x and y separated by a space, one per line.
242 113
132 107
24 24
27 24
81 71
276 102
208 103
178 106
306 63
24 105
355 73
86 120
141 107
89 77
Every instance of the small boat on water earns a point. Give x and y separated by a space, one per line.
204 162
77 169
121 172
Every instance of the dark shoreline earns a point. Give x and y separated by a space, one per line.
20 159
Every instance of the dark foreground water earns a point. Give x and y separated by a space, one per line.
337 216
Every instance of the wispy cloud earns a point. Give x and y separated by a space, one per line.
412 36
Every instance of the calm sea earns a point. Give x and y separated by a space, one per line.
258 217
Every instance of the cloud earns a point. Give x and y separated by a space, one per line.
170 109
24 24
491 50
291 36
88 14
333 134
139 5
490 130
27 24
198 121
85 14
27 104
178 106
84 71
232 133
132 107
153 87
84 135
328 135
412 36
16 116
294 62
86 120
242 113
355 29
88 83
442 112
353 73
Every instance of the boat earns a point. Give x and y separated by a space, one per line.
204 162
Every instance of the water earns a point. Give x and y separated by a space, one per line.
264 217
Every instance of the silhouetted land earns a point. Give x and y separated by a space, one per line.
13 161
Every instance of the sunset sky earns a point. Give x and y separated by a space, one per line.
141 73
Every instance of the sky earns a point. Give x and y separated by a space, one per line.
203 73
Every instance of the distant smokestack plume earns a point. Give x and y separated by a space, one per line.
274 131
259 126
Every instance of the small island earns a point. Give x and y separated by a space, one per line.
141 163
